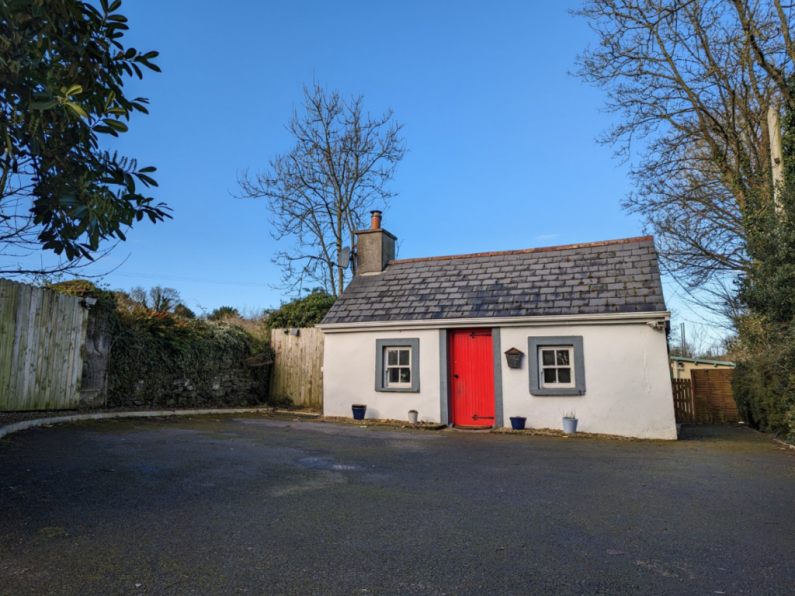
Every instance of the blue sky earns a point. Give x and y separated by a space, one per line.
502 140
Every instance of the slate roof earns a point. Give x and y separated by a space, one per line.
617 276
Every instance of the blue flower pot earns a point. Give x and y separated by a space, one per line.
569 426
358 412
517 422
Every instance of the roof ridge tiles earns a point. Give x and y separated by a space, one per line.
526 250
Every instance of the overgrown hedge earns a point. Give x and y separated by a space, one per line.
764 380
301 312
155 355
162 359
758 390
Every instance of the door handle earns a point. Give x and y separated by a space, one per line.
456 376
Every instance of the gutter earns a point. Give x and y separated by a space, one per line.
653 319
698 361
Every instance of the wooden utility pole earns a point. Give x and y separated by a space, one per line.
776 161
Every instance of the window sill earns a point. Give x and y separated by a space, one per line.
397 390
570 391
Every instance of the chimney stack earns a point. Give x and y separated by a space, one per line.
374 247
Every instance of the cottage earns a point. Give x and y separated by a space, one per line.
584 329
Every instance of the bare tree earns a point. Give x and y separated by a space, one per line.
693 80
701 341
321 190
158 298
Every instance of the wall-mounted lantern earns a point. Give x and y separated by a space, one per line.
514 358
88 302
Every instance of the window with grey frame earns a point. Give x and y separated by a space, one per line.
397 365
556 366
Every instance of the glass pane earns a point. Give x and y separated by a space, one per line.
404 357
548 357
549 375
563 358
391 357
405 375
394 375
564 375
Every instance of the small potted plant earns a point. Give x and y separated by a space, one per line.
570 423
517 422
413 416
358 411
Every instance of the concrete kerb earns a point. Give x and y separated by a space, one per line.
25 424
298 413
771 437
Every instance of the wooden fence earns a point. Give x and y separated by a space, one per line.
684 408
705 398
42 334
713 396
297 371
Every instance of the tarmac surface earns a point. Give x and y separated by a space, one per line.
262 505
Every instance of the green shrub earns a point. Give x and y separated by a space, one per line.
222 313
301 312
758 391
153 354
764 380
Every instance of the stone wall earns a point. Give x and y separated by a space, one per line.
237 384
96 354
236 387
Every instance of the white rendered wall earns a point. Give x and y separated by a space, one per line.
349 376
628 387
627 382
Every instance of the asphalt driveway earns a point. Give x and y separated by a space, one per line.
265 506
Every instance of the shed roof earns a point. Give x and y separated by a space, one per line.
702 361
616 276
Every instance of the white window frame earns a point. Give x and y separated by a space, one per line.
388 367
542 367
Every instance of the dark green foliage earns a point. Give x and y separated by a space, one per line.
62 71
301 312
764 380
769 289
155 354
223 312
183 311
758 392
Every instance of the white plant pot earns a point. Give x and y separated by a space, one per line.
569 426
413 417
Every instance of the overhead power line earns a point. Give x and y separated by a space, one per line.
192 279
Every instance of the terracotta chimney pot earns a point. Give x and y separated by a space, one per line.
375 222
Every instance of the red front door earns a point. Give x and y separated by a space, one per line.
471 378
